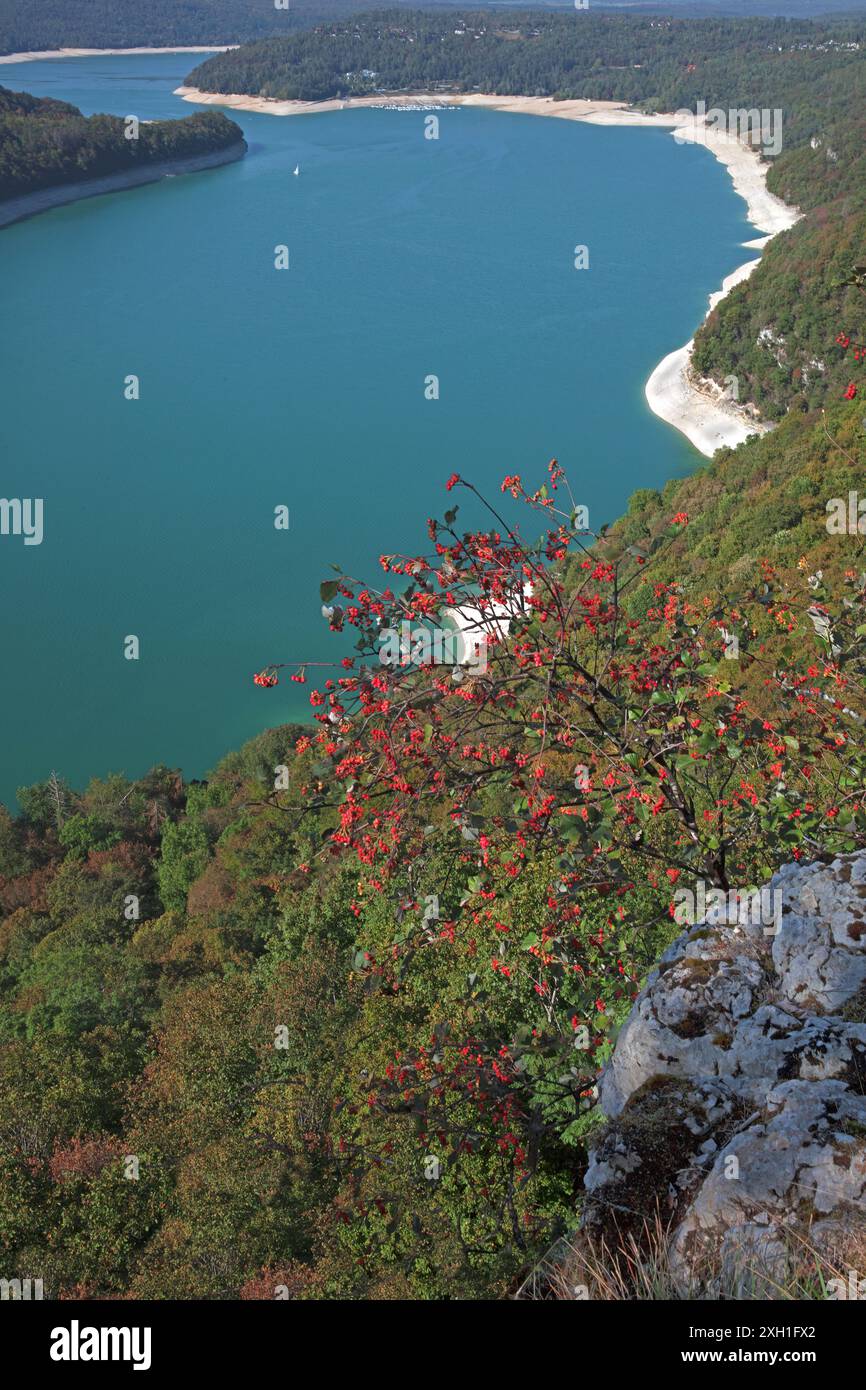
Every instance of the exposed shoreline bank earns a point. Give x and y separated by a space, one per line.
42 199
35 56
694 406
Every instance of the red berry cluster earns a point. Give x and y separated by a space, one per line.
265 678
859 349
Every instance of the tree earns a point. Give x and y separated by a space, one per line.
519 823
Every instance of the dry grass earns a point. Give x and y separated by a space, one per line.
638 1268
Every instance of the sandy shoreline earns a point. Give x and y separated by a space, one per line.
106 52
696 407
29 204
603 112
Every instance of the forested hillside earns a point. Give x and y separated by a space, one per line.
44 142
665 64
780 337
26 26
156 23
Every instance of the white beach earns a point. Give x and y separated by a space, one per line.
696 407
34 57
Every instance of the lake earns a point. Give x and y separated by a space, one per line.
305 388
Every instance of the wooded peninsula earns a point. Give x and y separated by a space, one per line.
46 143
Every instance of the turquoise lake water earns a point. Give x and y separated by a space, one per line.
305 388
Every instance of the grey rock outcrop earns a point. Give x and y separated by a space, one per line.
736 1093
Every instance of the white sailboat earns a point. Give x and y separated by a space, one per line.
297 169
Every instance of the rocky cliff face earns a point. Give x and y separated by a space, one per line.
736 1094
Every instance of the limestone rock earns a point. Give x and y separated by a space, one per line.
736 1092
